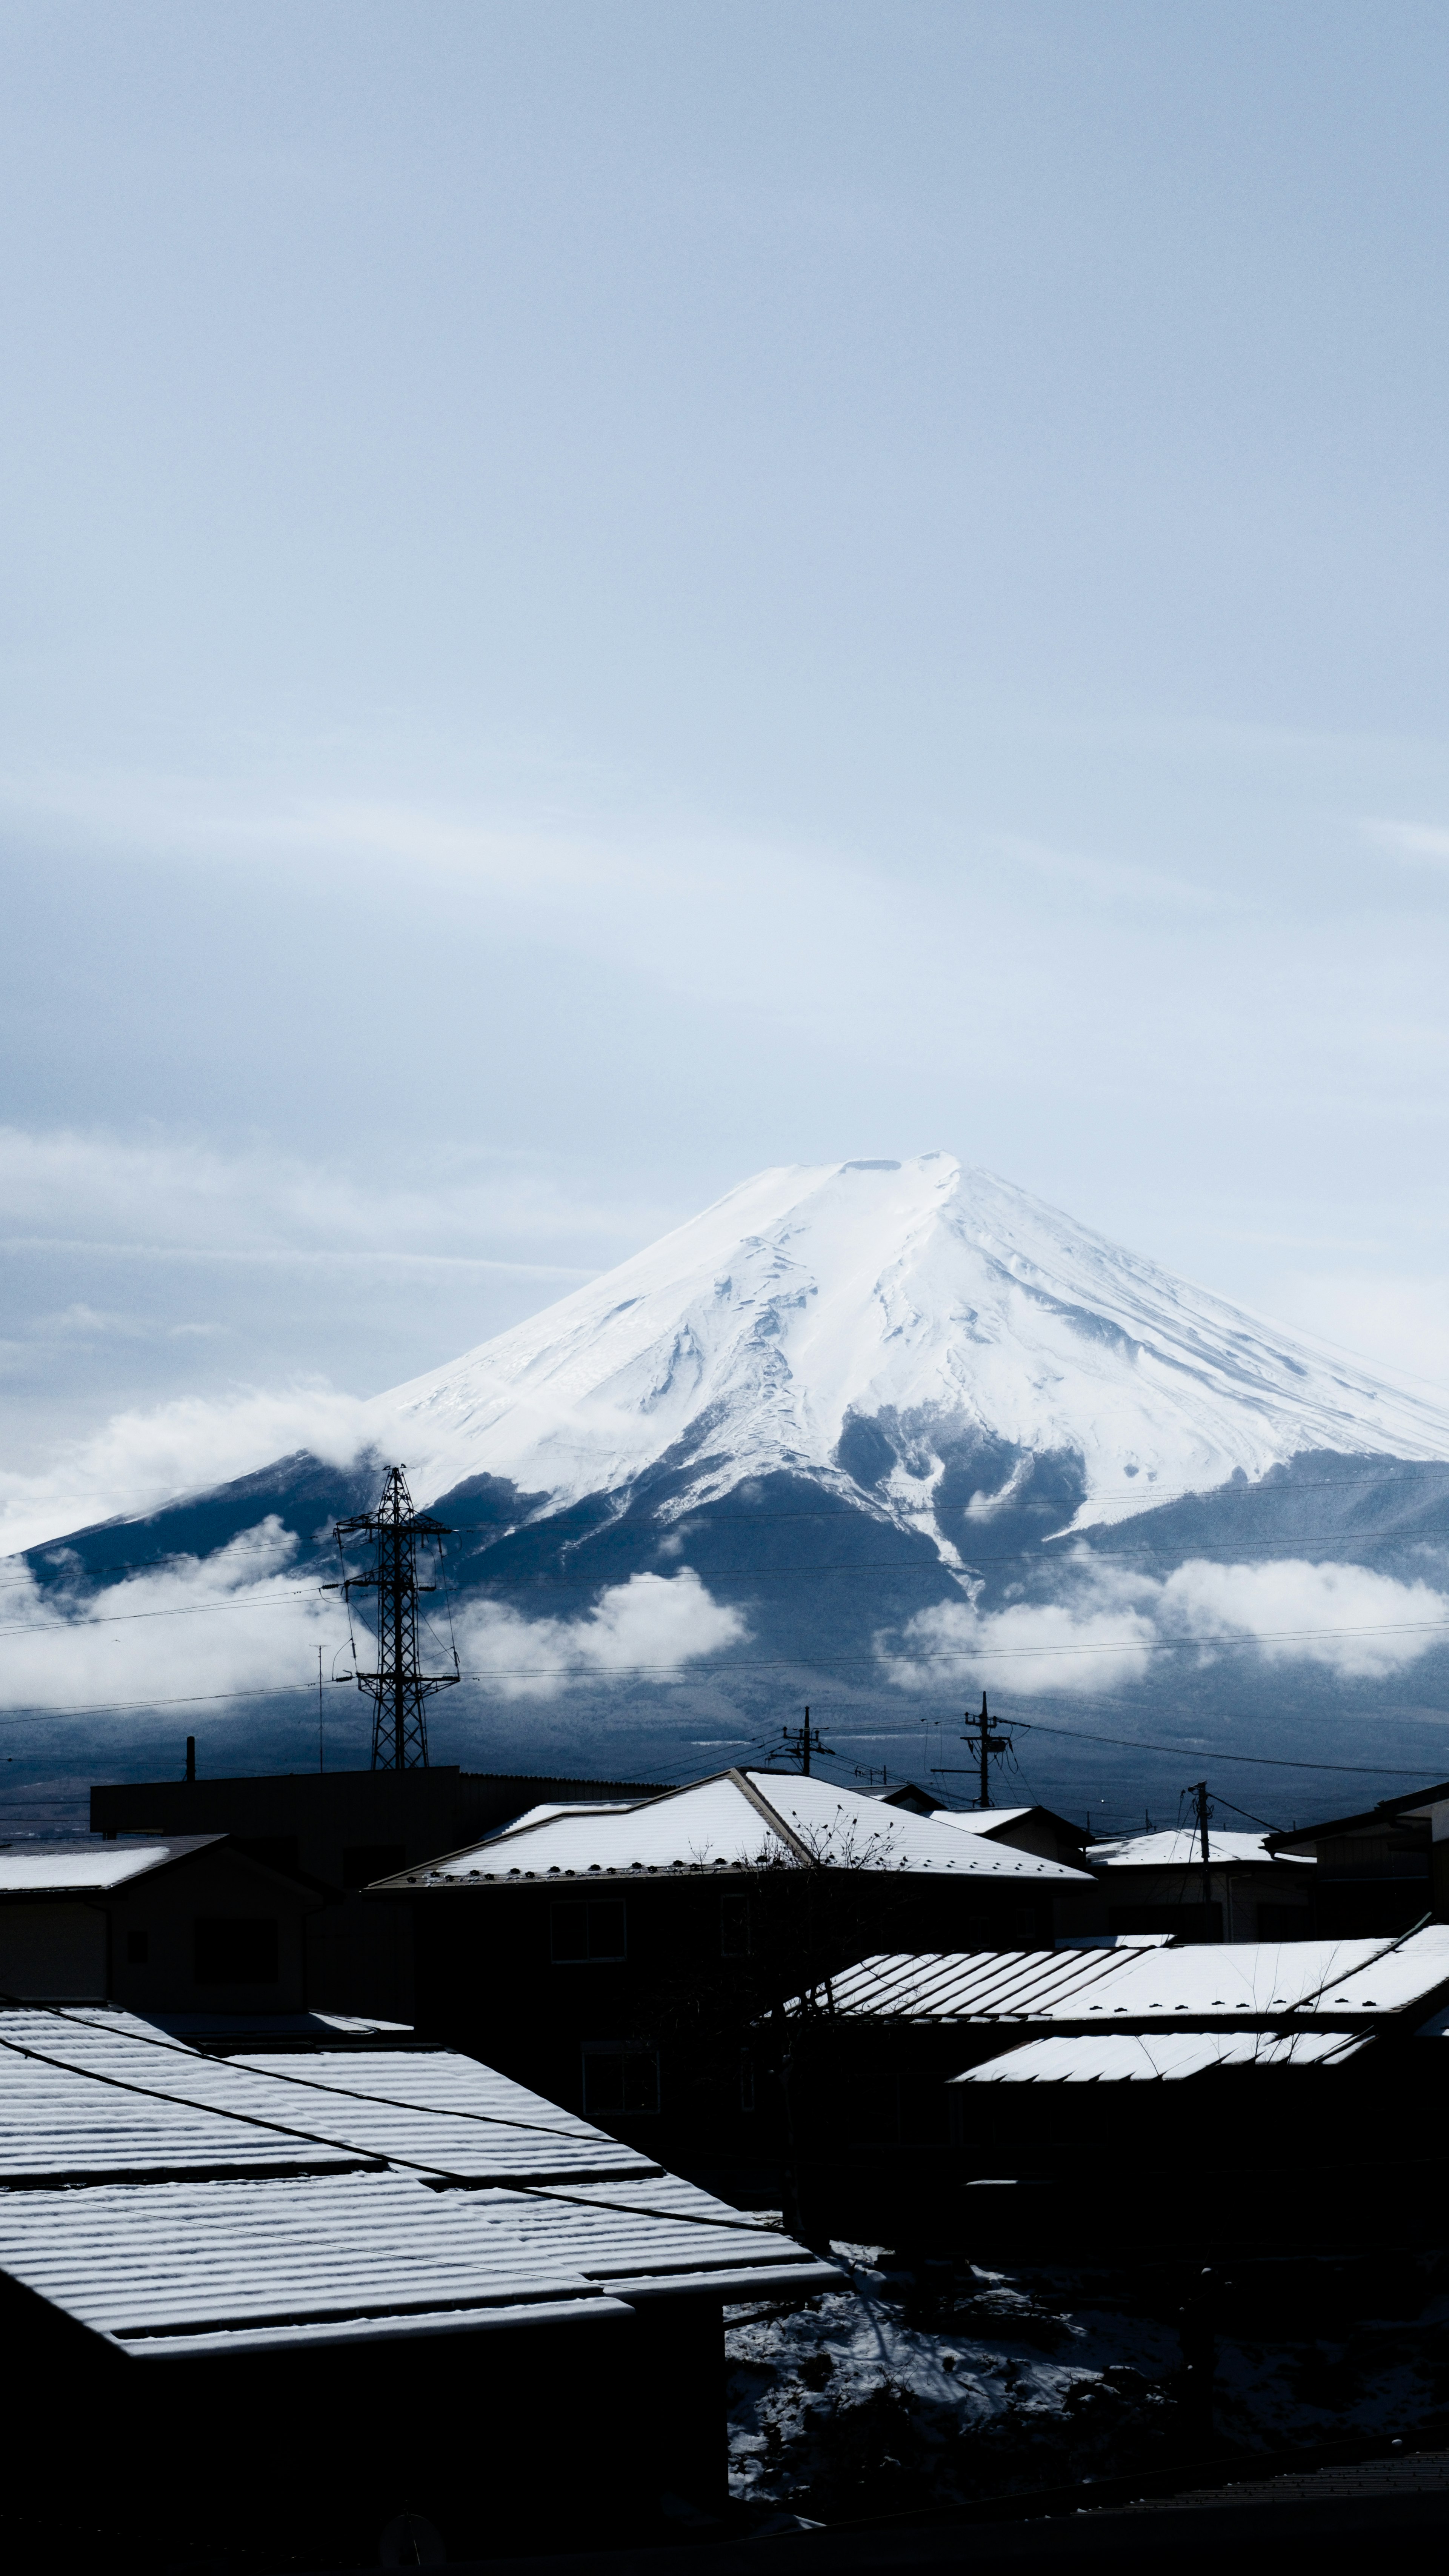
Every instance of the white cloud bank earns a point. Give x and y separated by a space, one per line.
1346 1619
244 1620
239 1620
147 1457
654 1624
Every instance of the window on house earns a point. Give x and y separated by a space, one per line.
138 1948
363 1862
235 1949
734 1927
619 2079
591 1931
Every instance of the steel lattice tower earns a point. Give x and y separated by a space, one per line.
398 1690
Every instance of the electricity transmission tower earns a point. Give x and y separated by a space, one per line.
398 1690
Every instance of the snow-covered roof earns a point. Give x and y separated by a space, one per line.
545 1814
1266 1981
92 1868
1159 2057
175 2247
1182 1849
728 1822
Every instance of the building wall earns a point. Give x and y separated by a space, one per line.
345 1828
662 2046
53 1953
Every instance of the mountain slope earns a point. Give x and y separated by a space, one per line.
869 1324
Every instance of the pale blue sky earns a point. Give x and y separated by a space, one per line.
599 596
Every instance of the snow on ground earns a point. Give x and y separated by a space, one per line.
951 2381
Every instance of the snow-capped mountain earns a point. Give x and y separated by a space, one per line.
877 1433
867 1324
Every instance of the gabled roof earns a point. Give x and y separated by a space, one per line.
1242 1984
728 1823
245 2205
1181 1848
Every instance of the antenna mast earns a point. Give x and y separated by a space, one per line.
398 1690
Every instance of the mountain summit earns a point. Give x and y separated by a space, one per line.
875 1326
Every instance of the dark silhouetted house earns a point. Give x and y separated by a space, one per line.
343 1828
185 1923
316 2292
619 1960
1101 2081
1247 1891
1029 1829
1380 1871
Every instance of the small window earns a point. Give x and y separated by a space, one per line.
235 1950
619 2080
138 1949
363 1862
734 1927
586 1932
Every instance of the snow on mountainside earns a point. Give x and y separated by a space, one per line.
936 1300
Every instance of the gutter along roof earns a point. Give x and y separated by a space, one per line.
173 2202
1262 1984
732 1821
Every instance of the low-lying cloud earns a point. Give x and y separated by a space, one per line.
654 1625
239 1620
246 1620
1346 1619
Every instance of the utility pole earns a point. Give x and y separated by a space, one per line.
321 1765
804 1740
984 1743
1201 1810
397 1689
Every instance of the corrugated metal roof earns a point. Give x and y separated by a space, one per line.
1158 2057
90 1868
262 2252
730 1822
440 2113
1258 1980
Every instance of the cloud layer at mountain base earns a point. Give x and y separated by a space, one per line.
1114 1628
244 1620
